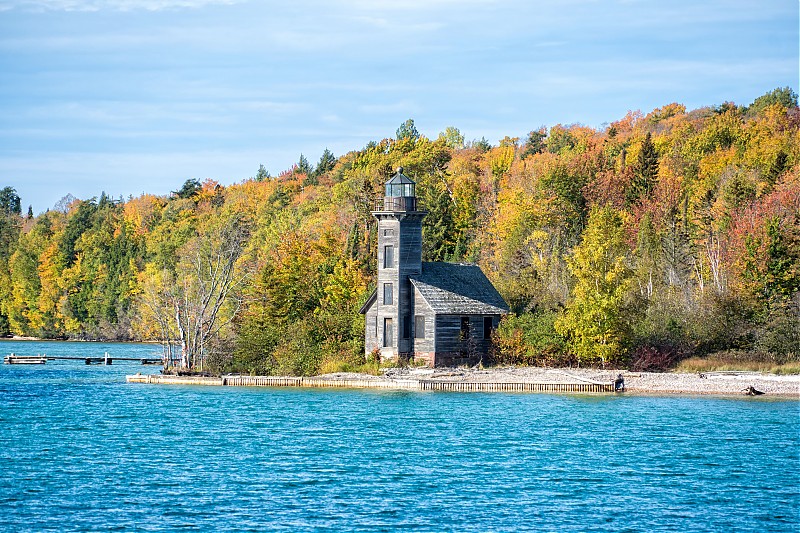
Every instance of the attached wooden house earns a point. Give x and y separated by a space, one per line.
438 313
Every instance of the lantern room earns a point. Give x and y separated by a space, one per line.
400 193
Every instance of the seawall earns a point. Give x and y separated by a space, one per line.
377 383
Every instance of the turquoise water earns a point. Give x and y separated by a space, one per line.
84 451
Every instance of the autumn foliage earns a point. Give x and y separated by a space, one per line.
661 236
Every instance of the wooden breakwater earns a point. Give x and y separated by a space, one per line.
479 386
396 384
13 359
24 359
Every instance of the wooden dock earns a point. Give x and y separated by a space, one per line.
106 359
394 384
24 359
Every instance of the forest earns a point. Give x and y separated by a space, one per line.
653 239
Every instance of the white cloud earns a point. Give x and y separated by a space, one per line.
114 5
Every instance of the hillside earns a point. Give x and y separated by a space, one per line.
659 237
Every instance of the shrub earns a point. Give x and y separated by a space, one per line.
528 339
780 333
722 323
652 358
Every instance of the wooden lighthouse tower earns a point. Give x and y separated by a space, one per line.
399 257
439 314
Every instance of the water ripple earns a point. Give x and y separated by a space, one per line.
85 451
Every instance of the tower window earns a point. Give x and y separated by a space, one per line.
388 256
387 294
388 333
419 327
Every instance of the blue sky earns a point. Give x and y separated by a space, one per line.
132 96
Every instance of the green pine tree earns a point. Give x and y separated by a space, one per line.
645 172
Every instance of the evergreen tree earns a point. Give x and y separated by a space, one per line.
189 189
303 166
535 143
781 278
326 163
437 227
262 173
645 172
482 145
77 224
9 236
777 167
784 96
407 130
10 201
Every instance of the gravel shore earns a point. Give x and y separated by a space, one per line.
716 383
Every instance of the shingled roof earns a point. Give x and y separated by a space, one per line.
457 288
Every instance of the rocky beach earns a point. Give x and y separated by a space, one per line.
708 383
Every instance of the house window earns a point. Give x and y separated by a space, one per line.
388 333
419 327
387 294
406 326
487 327
388 233
464 328
388 256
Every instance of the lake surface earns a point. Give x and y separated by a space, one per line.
84 451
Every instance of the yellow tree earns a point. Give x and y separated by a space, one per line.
593 321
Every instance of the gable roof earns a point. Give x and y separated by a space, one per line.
369 302
458 288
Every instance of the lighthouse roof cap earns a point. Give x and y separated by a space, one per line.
399 178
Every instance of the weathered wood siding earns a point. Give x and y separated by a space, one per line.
424 349
388 235
452 349
403 232
371 339
409 263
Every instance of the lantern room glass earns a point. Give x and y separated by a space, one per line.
400 189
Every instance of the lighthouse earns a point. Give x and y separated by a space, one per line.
399 258
433 313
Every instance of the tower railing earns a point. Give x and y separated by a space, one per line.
399 203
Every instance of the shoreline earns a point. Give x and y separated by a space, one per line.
636 383
649 383
719 383
519 379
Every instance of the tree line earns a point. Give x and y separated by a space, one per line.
654 238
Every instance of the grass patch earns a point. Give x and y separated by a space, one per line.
742 362
334 366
